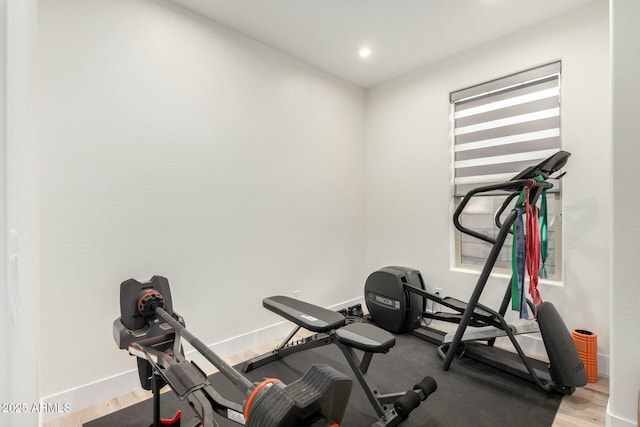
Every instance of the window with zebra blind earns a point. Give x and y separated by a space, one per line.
499 128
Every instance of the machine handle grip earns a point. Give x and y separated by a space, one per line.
427 386
406 403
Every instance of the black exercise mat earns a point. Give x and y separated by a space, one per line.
469 394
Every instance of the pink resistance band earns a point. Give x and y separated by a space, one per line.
533 251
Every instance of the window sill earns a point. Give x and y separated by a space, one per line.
497 275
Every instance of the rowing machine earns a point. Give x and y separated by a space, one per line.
150 330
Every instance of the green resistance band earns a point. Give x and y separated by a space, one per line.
517 270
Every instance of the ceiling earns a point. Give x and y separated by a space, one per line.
403 35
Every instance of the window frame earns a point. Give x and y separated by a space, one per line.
555 198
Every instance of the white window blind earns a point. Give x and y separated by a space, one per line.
503 126
499 128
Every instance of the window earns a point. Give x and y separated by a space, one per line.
499 128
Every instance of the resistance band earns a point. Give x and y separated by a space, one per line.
543 234
518 297
526 250
533 251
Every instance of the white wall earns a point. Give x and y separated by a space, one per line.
409 164
4 318
4 289
625 230
20 282
174 146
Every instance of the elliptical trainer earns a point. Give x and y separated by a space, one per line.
396 298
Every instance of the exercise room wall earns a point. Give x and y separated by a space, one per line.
409 164
171 145
622 410
19 282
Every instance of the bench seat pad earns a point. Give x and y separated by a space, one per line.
308 316
366 337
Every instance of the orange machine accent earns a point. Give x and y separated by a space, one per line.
254 393
587 344
172 421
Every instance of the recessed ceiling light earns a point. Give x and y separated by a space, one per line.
364 52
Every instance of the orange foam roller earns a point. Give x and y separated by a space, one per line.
587 344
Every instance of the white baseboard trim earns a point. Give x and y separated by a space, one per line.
615 421
105 389
603 364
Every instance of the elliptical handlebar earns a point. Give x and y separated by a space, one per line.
544 169
512 186
505 203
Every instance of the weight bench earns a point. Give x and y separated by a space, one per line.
331 327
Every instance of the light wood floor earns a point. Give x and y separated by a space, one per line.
585 408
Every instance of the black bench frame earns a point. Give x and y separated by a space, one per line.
327 333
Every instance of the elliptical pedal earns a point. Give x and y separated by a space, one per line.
490 332
461 306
